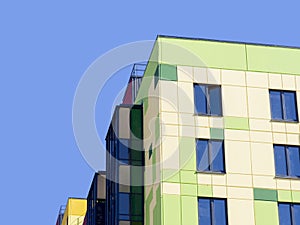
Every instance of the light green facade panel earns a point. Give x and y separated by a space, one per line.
187 153
170 175
273 59
188 189
189 211
205 190
172 209
202 53
266 213
236 123
188 177
284 196
296 196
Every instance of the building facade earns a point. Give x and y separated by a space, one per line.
74 212
95 214
209 136
224 147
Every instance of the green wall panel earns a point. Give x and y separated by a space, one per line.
172 209
189 207
217 133
284 196
236 123
169 175
266 213
167 72
296 196
273 59
189 177
157 216
202 53
265 194
148 201
188 189
205 190
187 153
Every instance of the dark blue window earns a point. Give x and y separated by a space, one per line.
124 205
287 161
283 105
210 155
208 99
123 151
212 211
289 214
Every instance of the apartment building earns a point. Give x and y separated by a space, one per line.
208 135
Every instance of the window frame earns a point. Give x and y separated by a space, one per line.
207 95
212 210
287 161
209 149
283 106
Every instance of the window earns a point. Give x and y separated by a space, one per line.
210 155
212 211
207 99
287 161
124 205
289 214
283 105
123 151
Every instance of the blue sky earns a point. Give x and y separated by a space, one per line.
45 47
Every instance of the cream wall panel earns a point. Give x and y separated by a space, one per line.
185 73
187 131
297 83
295 185
168 95
292 127
237 135
202 132
293 139
171 188
169 130
240 193
170 152
283 184
278 127
258 103
233 77
186 119
219 191
169 118
216 122
262 159
202 121
234 99
241 212
239 180
186 97
279 138
213 76
204 178
255 79
238 157
288 82
264 182
260 124
275 81
200 75
260 136
219 179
